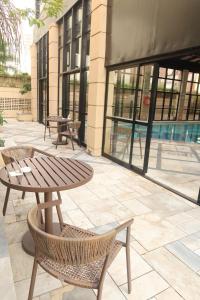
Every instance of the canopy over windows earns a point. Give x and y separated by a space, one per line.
141 29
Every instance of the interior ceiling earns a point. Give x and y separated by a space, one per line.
189 61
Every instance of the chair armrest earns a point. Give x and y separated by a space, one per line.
124 225
42 152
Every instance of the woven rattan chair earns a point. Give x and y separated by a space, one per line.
78 257
18 153
71 132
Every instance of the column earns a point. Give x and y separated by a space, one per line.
34 103
53 69
97 77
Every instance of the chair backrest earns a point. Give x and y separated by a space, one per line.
70 251
18 153
75 125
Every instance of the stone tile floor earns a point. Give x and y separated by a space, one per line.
177 165
165 244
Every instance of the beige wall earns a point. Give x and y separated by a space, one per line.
12 102
97 77
53 69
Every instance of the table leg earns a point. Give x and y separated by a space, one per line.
50 227
48 213
59 140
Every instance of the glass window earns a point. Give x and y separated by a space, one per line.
76 45
121 93
139 144
43 77
118 139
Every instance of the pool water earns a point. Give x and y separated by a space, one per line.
183 132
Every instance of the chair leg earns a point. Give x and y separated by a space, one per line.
23 195
45 129
49 132
102 278
72 142
99 294
57 141
38 202
59 196
6 201
128 261
33 277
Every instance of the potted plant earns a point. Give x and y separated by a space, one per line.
2 119
2 142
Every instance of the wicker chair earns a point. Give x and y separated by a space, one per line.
72 131
19 153
78 257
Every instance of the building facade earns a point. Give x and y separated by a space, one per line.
121 67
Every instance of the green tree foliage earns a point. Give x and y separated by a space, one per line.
5 59
10 19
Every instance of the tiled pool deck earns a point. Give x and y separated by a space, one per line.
165 245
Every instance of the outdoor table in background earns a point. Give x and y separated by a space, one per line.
61 122
48 175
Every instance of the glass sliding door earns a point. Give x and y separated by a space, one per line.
129 110
143 117
119 114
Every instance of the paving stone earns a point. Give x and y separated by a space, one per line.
169 294
15 231
190 227
78 293
151 231
145 287
176 273
117 269
192 241
190 258
44 283
7 290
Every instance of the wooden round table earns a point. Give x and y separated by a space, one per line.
48 175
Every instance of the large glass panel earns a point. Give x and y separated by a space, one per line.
71 95
173 159
144 94
76 95
118 139
60 96
42 77
121 93
139 145
60 60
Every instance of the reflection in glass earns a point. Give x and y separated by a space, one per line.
118 139
76 91
139 144
121 93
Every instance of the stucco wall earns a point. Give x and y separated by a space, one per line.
12 102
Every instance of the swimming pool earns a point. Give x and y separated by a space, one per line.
183 132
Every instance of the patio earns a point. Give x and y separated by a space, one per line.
165 244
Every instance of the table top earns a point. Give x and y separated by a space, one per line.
58 119
48 174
